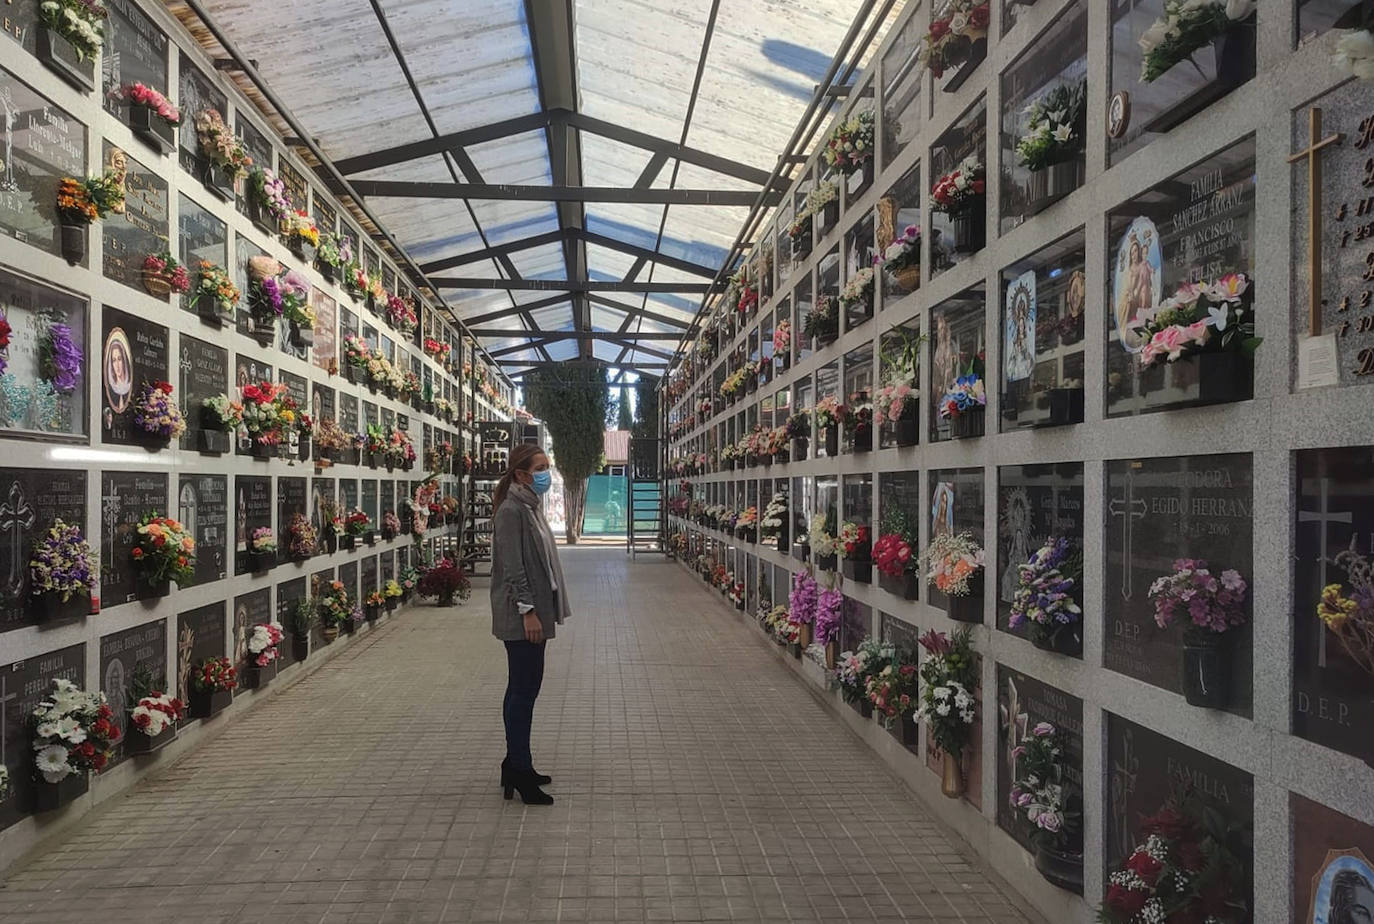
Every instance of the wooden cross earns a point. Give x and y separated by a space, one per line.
1314 212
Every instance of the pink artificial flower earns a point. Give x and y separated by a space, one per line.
1229 288
1198 332
1169 341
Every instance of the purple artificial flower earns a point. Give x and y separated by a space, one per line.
296 284
801 603
62 360
829 610
273 290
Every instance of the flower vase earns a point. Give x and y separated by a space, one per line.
152 130
969 56
800 446
302 336
328 271
1206 675
826 562
1060 867
150 440
824 340
392 603
154 590
906 585
1233 63
300 647
62 59
968 424
214 311
865 706
261 449
1052 183
220 181
908 429
261 218
348 626
858 181
1067 640
908 278
911 735
832 440
369 538
1066 406
260 676
156 284
73 242
795 648
50 609
1221 377
832 654
970 226
140 745
302 249
829 215
800 550
862 438
261 562
859 570
372 613
782 542
951 777
805 634
205 705
969 607
329 633
50 796
347 542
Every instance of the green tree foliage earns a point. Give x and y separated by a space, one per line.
645 426
571 398
623 417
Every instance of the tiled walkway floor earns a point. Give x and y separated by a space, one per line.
696 781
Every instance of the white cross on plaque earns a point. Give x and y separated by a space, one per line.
1321 517
16 516
1128 507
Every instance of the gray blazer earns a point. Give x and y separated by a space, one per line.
520 571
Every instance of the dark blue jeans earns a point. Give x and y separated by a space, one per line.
525 675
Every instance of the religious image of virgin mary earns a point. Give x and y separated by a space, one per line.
119 371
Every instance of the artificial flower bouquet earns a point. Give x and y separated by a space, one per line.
948 677
82 201
302 539
263 642
220 146
163 275
80 22
822 322
445 581
164 551
268 192
73 732
966 395
827 412
334 608
155 713
954 564
894 552
391 525
1199 318
952 32
263 541
774 520
857 417
357 523
902 258
436 349
854 542
1355 52
355 279
217 289
158 106
262 413
1044 598
782 338
401 314
300 229
892 690
223 414
1183 28
392 590
1056 127
962 189
858 291
332 251
896 402
850 145
1213 603
62 570
214 675
1186 868
1351 617
823 543
1042 792
60 360
156 414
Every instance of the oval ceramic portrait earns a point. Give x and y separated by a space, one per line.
118 363
1137 279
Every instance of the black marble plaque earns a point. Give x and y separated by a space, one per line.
263 331
134 354
299 390
203 508
348 418
296 186
386 497
252 509
1022 703
1035 503
1333 672
322 405
250 609
204 371
369 501
23 685
900 633
956 506
196 92
370 415
248 370
348 494
1198 226
257 145
30 500
201 236
326 219
123 655
41 145
289 593
369 575
1159 510
200 635
372 261
1145 769
348 576
292 498
388 559
324 353
125 498
135 51
142 228
321 494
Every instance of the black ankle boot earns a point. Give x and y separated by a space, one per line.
539 778
527 784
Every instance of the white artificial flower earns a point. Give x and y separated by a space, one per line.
1063 133
1355 53
47 730
64 686
942 709
70 729
1239 9
1153 36
52 763
958 23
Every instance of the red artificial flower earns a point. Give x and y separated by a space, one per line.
99 761
5 330
939 29
142 720
1124 901
979 187
137 553
978 17
164 387
1145 866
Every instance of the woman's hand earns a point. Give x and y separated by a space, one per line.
534 631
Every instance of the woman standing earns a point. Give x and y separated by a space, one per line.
528 599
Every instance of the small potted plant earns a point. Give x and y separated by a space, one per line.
213 682
74 734
71 35
215 297
62 574
163 552
857 553
962 195
334 609
262 549
373 604
226 159
163 275
948 678
1214 605
301 620
1044 600
263 654
391 590
445 581
1052 804
954 564
153 721
82 201
157 416
892 690
152 117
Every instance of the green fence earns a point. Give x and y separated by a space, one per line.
607 506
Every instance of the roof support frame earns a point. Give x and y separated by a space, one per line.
405 189
572 285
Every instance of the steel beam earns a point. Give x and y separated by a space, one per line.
441 143
529 364
628 342
425 190
497 250
655 256
633 310
490 333
682 152
572 285
518 309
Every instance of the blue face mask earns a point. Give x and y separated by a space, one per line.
542 481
